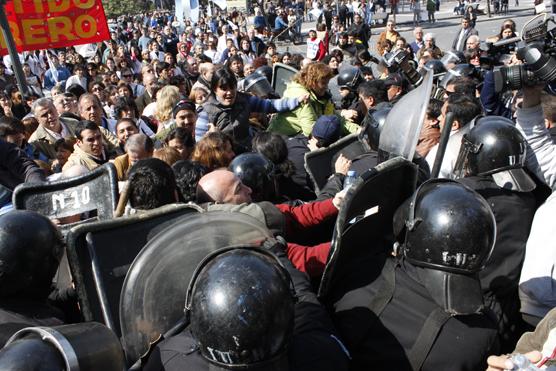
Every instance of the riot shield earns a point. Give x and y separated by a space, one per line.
94 193
154 291
92 196
282 74
100 254
363 228
320 163
401 130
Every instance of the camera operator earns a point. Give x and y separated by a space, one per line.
530 121
497 103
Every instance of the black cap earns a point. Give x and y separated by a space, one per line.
393 79
186 104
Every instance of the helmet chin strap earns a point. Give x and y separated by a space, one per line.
446 290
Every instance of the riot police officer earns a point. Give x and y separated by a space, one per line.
256 172
423 309
348 82
250 309
29 259
491 162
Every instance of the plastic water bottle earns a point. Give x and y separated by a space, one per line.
351 177
522 363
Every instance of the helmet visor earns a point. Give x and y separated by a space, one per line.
449 58
514 180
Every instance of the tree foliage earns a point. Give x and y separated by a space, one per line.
115 8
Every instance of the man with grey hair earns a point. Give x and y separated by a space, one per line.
137 147
50 127
418 43
473 42
429 44
90 109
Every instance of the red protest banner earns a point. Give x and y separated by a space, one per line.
45 24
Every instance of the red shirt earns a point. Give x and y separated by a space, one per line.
308 259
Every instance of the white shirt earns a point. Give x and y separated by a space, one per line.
451 154
62 134
536 284
313 48
74 79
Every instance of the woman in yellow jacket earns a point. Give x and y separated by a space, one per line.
313 79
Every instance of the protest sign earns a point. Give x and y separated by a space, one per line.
46 24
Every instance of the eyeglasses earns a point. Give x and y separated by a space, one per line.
97 88
127 75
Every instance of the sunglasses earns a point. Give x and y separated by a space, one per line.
127 75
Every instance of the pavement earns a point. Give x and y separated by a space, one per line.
404 19
443 27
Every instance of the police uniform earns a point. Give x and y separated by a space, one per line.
389 340
500 278
423 309
16 314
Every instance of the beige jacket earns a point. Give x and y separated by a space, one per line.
80 157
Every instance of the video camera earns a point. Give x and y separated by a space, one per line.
537 50
399 61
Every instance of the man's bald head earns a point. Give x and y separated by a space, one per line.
206 70
222 186
149 80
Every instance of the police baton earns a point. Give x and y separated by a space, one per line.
174 330
444 137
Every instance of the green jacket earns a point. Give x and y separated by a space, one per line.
302 119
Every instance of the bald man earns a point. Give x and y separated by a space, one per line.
223 186
206 70
291 222
149 80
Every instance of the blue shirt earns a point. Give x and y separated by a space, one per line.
60 74
279 23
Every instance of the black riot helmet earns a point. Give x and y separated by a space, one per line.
449 230
436 66
257 84
350 78
376 123
495 147
460 70
265 71
240 304
78 347
452 58
257 172
30 250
